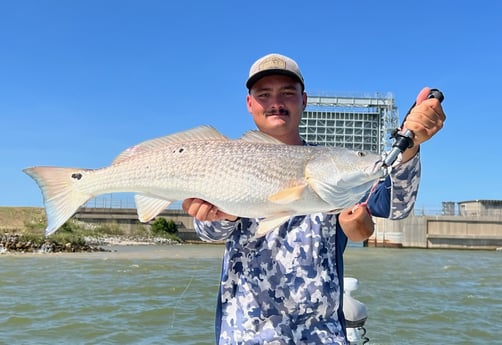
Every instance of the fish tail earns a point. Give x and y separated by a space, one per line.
61 198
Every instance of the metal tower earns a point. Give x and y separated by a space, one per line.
358 123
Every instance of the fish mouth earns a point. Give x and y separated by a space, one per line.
379 168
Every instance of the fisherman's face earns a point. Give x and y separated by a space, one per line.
276 103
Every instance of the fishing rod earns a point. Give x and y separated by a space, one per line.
404 139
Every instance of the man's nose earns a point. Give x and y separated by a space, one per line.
277 101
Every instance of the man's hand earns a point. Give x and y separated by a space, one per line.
202 210
356 223
424 120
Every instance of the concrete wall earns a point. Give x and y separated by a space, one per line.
464 232
439 232
403 233
127 219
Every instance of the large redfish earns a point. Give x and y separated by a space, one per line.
255 176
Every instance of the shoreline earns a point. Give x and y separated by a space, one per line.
136 251
11 244
128 241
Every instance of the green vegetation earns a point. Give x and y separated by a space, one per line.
24 229
164 228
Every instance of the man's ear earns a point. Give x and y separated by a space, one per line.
248 103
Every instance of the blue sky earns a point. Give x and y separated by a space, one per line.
80 81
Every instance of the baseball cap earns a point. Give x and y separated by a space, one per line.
274 64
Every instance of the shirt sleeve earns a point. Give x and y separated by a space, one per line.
395 197
214 231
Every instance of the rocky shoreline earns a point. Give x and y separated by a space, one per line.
15 243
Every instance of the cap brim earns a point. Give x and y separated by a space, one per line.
254 78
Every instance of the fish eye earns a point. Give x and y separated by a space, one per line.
361 153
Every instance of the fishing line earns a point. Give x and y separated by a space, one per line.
179 299
365 202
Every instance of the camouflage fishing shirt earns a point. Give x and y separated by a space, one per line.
286 287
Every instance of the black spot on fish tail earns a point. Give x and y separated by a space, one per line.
76 176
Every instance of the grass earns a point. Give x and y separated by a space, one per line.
20 218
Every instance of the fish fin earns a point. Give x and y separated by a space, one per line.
268 224
260 137
288 195
61 198
341 194
196 134
149 206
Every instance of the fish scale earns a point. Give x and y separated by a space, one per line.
184 175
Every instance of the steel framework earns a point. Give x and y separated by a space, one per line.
358 123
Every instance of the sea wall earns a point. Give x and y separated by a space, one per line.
454 232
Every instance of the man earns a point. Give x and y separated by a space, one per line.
287 287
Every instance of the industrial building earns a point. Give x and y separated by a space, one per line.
473 208
357 123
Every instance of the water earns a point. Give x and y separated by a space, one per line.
429 296
167 295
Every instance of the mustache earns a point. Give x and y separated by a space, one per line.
280 111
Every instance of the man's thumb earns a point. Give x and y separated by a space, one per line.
423 94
